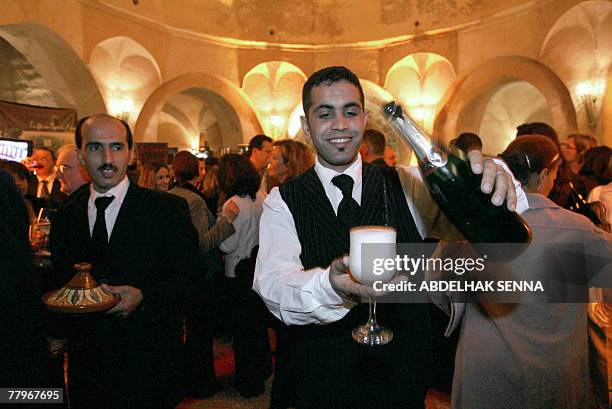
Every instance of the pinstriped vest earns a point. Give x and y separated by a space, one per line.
323 237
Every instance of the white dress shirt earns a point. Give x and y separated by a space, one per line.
50 179
301 297
294 295
112 211
239 245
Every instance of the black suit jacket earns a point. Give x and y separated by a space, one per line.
57 196
152 247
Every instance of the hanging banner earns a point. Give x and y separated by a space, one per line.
151 152
24 117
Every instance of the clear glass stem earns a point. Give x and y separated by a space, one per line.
372 313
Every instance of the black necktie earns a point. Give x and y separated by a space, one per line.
44 191
100 235
348 210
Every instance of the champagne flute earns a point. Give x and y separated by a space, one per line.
43 225
370 243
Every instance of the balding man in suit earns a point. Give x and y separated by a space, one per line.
141 244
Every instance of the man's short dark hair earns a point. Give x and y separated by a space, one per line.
257 142
467 141
375 141
538 128
78 136
329 76
44 148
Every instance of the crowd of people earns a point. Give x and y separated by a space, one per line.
243 243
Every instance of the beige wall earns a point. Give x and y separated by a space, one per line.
190 39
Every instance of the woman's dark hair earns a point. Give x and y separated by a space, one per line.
597 164
538 128
185 167
529 155
237 176
16 168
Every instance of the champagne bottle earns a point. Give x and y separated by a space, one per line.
457 191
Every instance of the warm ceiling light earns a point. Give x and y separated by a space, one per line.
585 89
121 107
276 120
590 93
295 122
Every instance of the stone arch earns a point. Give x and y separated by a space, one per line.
499 71
224 91
606 114
578 48
124 69
36 76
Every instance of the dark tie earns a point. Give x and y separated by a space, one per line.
44 191
348 210
100 235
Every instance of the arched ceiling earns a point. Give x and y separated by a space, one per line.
40 68
313 22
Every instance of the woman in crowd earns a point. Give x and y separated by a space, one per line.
289 159
596 165
155 176
21 176
239 181
574 148
534 354
603 192
595 172
210 188
570 189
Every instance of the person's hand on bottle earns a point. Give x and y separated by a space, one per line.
494 179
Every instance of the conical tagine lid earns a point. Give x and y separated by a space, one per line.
82 294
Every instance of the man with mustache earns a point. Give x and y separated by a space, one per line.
302 278
141 244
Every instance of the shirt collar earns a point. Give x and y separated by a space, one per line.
49 179
327 174
118 191
539 201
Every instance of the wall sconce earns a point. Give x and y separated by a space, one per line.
423 115
590 93
420 114
277 123
121 107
